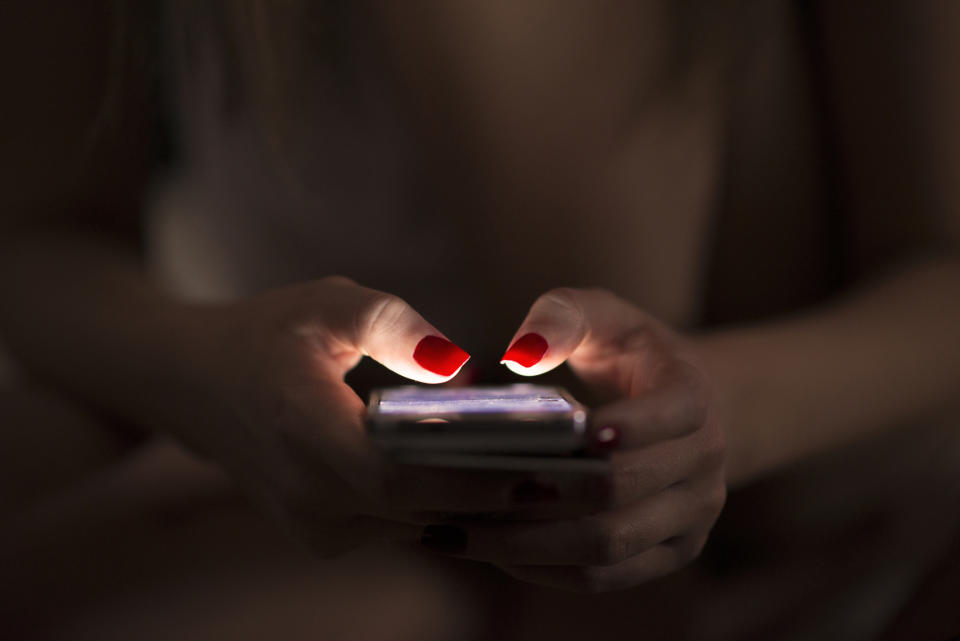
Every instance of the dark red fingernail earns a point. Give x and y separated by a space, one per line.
439 355
527 351
607 437
448 539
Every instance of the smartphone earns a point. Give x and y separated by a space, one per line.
519 426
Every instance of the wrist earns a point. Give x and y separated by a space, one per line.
738 401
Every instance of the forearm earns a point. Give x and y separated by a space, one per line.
79 313
886 356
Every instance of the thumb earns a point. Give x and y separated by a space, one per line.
586 326
388 330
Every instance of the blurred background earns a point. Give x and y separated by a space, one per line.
720 164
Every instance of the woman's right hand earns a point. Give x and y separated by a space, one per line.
284 424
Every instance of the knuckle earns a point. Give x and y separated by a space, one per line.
623 486
381 314
601 491
636 340
605 544
561 296
337 281
640 479
564 301
690 548
700 396
714 451
692 396
605 296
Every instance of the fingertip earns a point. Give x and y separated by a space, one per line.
517 368
440 357
526 351
458 370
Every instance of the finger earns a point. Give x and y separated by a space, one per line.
656 562
385 328
338 470
341 446
328 432
633 475
675 408
603 539
323 424
588 326
639 473
429 492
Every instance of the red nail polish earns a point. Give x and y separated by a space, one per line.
439 355
607 437
527 351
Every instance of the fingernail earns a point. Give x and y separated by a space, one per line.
607 437
449 539
439 355
533 492
527 350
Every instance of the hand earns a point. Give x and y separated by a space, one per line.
287 427
651 513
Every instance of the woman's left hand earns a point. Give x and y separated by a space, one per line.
651 512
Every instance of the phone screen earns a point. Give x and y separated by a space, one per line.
521 426
426 401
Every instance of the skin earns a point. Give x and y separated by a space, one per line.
651 513
256 385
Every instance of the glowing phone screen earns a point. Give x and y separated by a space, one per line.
472 400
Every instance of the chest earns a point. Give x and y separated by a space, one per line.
572 143
633 146
492 151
